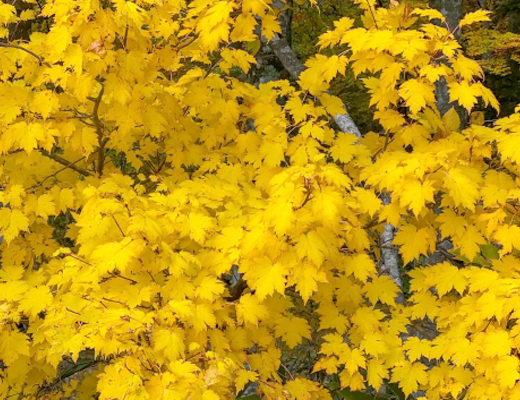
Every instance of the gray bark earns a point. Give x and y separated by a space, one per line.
293 65
453 12
390 255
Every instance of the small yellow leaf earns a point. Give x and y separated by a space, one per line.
452 120
416 194
415 242
410 375
14 345
169 341
476 16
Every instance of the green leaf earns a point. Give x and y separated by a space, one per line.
396 390
254 46
490 251
252 397
349 395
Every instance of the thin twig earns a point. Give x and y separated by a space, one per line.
373 15
125 39
185 44
122 277
56 173
119 226
16 151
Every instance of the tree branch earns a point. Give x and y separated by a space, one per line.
390 255
57 172
293 65
99 128
66 163
14 46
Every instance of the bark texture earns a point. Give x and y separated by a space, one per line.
293 65
453 12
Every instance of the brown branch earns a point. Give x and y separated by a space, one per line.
123 277
41 60
66 163
16 151
182 45
119 226
99 128
125 39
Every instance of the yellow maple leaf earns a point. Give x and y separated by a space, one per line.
170 342
464 93
381 288
415 242
243 376
306 276
12 222
410 375
434 72
58 39
509 146
446 277
376 372
45 206
417 348
313 247
467 68
462 184
270 26
116 255
476 16
199 224
506 370
250 310
345 147
35 300
354 359
360 266
367 200
451 119
495 343
374 344
508 236
429 13
14 345
267 278
416 194
469 242
417 94
208 287
292 330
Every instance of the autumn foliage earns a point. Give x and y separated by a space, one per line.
193 231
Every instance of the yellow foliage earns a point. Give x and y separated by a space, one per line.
177 233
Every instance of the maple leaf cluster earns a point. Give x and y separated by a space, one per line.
142 184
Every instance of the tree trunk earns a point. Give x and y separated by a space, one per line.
453 12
